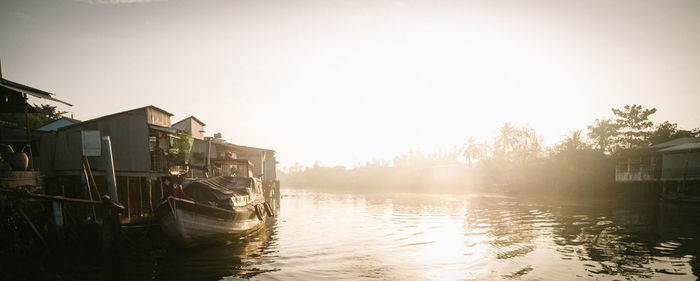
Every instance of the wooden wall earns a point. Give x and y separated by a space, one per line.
157 117
128 132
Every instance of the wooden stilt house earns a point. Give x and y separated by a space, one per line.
143 147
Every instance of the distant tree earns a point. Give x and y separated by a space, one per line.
45 114
573 142
602 132
48 112
505 141
473 151
516 145
667 131
634 125
296 168
527 145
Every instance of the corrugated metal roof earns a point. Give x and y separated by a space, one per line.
29 90
115 114
682 147
58 123
252 148
677 141
193 118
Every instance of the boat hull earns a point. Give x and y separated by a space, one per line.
187 223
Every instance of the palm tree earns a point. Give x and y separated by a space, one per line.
573 141
472 151
505 141
601 132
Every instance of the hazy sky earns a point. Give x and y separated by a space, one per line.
345 81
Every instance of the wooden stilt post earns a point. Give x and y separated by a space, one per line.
26 127
57 208
140 197
128 197
162 191
111 237
150 197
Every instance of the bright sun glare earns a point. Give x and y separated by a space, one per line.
342 82
430 90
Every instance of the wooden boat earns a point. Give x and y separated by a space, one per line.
213 209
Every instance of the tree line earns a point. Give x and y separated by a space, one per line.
582 163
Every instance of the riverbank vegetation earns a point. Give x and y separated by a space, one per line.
516 161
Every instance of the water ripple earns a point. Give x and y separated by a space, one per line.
321 236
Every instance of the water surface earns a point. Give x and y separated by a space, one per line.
337 236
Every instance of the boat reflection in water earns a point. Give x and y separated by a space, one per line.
242 256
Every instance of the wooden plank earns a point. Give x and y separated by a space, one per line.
47 197
99 173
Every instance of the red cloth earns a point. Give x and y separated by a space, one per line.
173 188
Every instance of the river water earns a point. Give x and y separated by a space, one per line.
391 236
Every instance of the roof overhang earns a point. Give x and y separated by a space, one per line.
29 91
236 161
682 147
163 129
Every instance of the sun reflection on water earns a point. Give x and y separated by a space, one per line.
434 237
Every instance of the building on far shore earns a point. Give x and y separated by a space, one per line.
670 168
644 164
680 174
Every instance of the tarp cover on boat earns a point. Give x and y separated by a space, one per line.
224 191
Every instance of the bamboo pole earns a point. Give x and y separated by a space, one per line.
87 182
92 178
36 231
12 192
